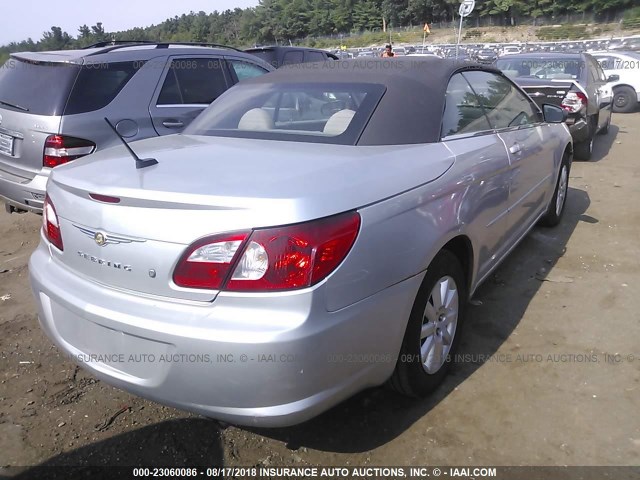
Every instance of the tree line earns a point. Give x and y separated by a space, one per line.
284 21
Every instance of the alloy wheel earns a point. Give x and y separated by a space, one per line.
562 190
439 324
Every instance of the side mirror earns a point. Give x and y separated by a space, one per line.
553 113
613 78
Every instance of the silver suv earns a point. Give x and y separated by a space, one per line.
53 104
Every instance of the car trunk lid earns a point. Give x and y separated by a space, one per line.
203 186
547 91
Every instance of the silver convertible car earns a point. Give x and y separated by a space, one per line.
316 231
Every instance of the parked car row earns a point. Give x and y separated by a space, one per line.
332 221
501 49
618 56
562 46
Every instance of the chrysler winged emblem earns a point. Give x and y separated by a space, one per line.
100 238
103 238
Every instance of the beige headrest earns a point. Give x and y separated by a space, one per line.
338 122
256 119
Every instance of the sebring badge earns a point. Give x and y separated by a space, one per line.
104 262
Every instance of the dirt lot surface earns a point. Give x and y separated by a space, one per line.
551 373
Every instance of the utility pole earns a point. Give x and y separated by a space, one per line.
466 7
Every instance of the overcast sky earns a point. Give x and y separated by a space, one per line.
21 19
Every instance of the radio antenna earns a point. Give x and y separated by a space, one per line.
140 162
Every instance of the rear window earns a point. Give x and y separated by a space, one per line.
320 113
245 70
40 88
314 57
544 68
98 84
293 58
268 56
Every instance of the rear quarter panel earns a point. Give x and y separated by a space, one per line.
401 235
29 132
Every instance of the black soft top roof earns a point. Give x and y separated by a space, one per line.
415 92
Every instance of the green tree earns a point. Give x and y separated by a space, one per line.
56 39
420 11
367 16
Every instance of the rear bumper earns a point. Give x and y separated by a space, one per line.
23 194
270 360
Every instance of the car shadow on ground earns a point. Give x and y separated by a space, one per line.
603 143
175 443
376 416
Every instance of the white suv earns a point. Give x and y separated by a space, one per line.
626 91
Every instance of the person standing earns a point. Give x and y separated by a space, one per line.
388 51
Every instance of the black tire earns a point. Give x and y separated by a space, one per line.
584 150
410 377
605 129
625 99
554 210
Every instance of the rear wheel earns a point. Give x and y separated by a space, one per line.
433 329
556 207
584 150
605 129
624 99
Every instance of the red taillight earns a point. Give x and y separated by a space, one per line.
296 256
59 149
574 101
281 258
51 225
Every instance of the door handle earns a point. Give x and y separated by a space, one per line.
515 148
174 124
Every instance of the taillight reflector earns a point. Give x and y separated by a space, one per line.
206 263
574 101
